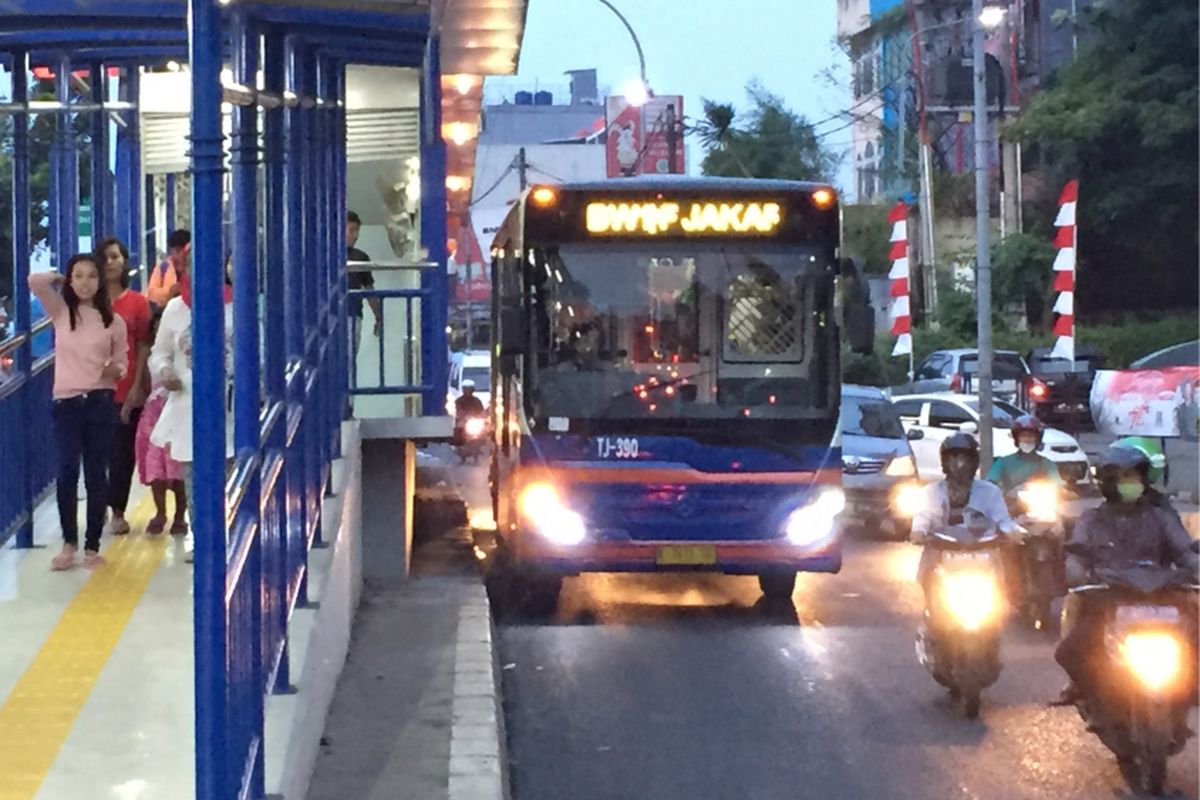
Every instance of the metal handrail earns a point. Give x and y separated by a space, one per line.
13 342
388 266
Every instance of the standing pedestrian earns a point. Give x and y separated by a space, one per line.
171 364
359 280
156 468
163 283
130 395
91 355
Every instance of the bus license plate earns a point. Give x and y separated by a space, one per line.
687 555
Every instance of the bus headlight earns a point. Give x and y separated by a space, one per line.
902 467
1154 658
815 523
541 504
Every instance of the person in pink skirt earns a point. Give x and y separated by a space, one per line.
156 468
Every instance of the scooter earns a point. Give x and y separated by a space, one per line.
959 639
472 441
1140 703
1037 508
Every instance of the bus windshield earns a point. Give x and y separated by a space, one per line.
696 330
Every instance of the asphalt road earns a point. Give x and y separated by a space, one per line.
674 686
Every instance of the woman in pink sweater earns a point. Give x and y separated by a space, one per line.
90 355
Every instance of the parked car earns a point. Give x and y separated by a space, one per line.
1059 389
941 414
473 365
879 474
957 371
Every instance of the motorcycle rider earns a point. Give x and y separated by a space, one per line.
1158 469
1126 529
1027 463
1014 470
466 407
959 494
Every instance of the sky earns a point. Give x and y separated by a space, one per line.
697 48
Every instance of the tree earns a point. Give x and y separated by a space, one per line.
775 142
1123 119
1022 267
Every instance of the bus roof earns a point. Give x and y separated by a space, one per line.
687 183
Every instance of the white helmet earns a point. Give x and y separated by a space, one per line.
468 384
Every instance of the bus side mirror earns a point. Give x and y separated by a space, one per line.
514 337
859 317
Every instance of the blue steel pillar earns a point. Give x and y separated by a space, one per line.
65 194
246 387
276 290
127 217
22 311
101 181
214 778
313 428
338 152
320 261
434 311
294 269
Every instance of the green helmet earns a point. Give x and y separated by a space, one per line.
1151 449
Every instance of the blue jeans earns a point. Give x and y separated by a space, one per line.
84 427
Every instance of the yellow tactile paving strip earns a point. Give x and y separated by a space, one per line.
40 711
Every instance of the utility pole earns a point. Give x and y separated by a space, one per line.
983 264
671 144
522 167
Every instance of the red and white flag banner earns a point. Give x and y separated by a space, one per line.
1065 239
898 277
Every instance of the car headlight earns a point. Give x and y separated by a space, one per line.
971 598
908 499
1154 658
541 504
815 522
902 467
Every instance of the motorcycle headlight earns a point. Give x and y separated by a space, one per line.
816 522
908 499
541 504
474 427
1154 657
902 467
1040 500
972 598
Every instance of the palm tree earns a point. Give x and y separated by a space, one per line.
717 132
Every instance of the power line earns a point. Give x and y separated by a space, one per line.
494 186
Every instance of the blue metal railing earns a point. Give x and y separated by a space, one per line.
412 384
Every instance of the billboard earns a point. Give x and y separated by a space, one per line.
1147 402
638 138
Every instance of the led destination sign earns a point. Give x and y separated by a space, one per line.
696 218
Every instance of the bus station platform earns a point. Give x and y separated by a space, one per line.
97 667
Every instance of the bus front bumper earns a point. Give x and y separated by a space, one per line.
732 558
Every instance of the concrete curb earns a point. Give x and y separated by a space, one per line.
478 758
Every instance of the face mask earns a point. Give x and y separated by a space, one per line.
1027 447
1130 492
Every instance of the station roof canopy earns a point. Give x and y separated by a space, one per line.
479 37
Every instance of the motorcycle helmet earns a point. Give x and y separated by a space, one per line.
1027 423
1153 452
1115 462
960 457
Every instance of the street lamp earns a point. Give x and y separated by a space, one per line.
983 264
992 16
645 87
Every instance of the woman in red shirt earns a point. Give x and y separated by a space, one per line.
130 395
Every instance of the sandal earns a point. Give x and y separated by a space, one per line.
119 526
92 559
65 559
156 525
179 528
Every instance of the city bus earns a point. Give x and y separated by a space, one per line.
666 382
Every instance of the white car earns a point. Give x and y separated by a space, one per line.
942 414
